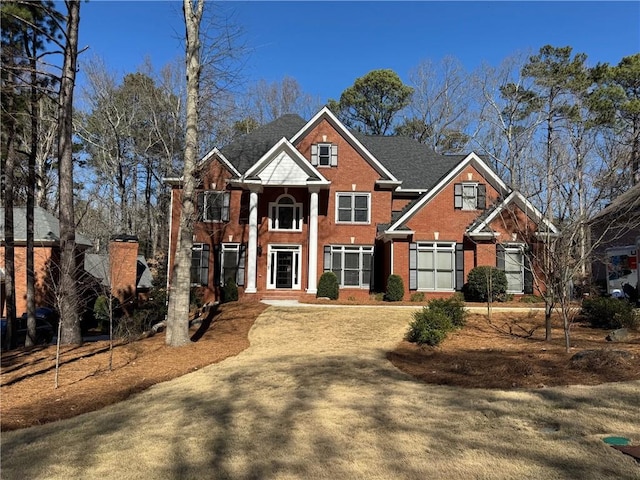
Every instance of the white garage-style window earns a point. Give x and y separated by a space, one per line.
352 264
285 214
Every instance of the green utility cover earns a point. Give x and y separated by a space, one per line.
616 440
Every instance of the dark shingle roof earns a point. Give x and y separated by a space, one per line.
248 149
46 227
419 167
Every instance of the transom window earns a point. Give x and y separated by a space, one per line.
213 206
436 266
353 207
351 264
200 264
285 214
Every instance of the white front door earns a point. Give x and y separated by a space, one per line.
284 267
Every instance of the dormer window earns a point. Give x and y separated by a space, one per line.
470 196
285 214
324 155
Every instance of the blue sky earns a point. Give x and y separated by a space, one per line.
325 46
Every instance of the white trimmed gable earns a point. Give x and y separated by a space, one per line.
283 165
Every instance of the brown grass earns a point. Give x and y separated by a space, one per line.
315 397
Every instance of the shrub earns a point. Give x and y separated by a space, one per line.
229 291
429 327
610 313
417 297
378 297
478 284
453 308
395 289
328 286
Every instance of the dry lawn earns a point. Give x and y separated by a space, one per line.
315 397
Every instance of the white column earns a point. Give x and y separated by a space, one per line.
313 243
252 250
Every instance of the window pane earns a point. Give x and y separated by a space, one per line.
352 260
515 282
513 261
286 201
344 201
425 279
351 277
324 149
444 260
344 215
361 216
285 218
425 259
336 261
366 277
444 280
361 201
230 259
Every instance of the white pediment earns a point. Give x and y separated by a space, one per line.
283 170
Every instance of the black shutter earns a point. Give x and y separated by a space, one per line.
413 266
217 264
500 257
459 266
482 197
327 258
200 206
528 274
457 195
204 266
241 262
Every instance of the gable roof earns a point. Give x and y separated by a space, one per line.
415 164
626 204
244 152
46 227
284 165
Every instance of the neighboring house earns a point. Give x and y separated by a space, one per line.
616 228
46 254
293 199
121 271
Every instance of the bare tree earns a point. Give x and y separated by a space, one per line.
178 314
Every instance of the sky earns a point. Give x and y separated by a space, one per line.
325 46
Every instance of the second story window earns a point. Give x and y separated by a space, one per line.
285 214
324 155
470 196
353 207
213 206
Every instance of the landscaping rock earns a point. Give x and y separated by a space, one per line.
618 335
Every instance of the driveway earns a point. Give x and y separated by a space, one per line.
314 397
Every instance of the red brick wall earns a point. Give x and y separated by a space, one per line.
42 264
123 267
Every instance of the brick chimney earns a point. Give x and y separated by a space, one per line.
123 267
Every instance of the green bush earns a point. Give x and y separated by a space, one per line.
328 286
477 288
395 289
429 327
417 297
609 313
230 291
452 307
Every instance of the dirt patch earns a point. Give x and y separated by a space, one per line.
85 381
510 352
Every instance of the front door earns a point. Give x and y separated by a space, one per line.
284 267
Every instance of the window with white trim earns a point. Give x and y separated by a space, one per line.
353 207
231 263
213 206
436 266
470 196
200 264
514 269
285 214
324 155
352 264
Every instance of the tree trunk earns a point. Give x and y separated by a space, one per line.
68 295
178 314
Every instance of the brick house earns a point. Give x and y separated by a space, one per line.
293 199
